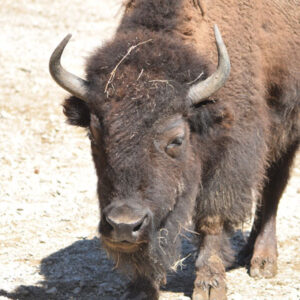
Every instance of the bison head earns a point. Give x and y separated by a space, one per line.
136 104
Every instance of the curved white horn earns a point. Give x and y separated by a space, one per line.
210 85
68 81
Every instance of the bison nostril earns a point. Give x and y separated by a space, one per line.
140 223
110 227
110 223
138 227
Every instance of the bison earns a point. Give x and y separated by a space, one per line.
178 142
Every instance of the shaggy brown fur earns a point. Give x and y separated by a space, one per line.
238 145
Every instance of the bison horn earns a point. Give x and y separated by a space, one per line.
73 84
210 85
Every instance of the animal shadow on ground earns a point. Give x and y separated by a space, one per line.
83 271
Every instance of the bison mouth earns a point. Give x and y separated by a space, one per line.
123 246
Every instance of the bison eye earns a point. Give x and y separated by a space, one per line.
176 142
173 148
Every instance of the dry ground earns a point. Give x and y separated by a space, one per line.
48 207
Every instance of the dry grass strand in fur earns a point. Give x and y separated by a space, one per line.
113 73
179 263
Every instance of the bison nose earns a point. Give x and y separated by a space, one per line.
127 228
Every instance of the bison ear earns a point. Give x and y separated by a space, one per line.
77 112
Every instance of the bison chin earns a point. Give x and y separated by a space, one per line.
146 258
122 247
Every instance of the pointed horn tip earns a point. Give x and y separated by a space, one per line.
61 46
218 35
220 44
216 28
68 81
67 37
57 53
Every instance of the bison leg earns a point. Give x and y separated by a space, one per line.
263 235
210 270
142 289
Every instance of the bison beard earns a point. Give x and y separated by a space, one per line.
173 145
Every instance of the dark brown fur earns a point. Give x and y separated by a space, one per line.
239 141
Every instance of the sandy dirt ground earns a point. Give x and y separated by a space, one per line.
49 246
